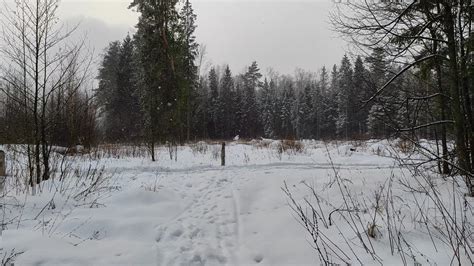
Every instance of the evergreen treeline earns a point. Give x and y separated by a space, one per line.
306 105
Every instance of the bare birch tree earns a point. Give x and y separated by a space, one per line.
38 62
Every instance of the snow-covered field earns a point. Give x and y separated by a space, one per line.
192 211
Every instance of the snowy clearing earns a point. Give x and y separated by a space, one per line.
192 211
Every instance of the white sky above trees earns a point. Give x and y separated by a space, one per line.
284 35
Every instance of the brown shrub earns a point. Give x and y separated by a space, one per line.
404 146
291 145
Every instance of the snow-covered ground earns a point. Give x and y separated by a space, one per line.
192 211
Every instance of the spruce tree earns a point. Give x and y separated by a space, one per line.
306 113
116 93
361 94
267 109
226 99
159 49
329 107
108 82
319 94
345 99
239 106
214 105
129 111
250 108
189 77
377 112
288 101
201 114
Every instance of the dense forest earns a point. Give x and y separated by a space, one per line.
325 105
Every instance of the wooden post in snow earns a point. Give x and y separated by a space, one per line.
3 170
223 154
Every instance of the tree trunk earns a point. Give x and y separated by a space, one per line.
3 171
442 104
223 154
455 88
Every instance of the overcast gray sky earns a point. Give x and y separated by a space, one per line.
280 34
